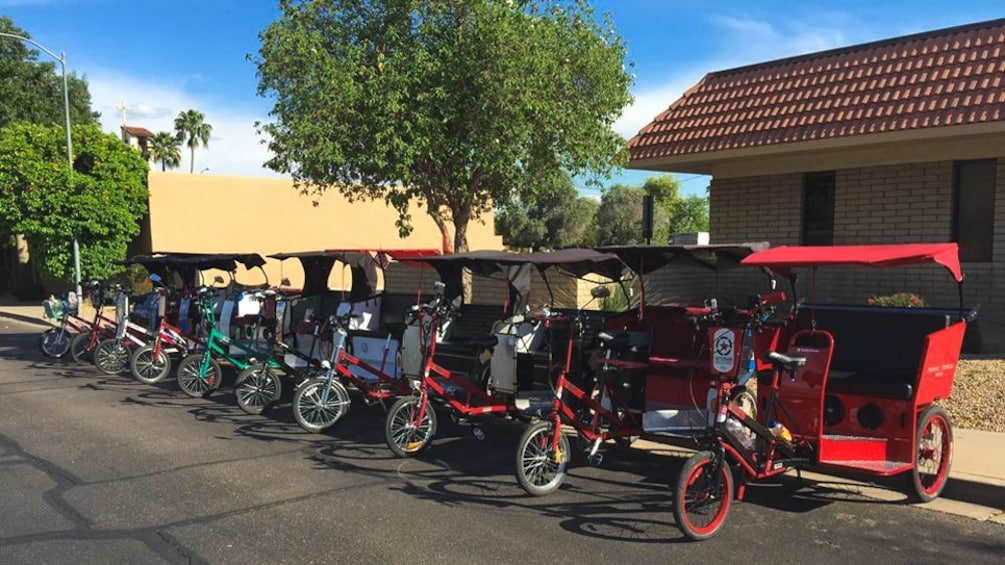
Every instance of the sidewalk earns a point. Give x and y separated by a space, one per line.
976 487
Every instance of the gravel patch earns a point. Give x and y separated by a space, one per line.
978 398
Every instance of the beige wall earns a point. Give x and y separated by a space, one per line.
901 203
224 214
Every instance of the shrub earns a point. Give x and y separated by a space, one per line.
897 300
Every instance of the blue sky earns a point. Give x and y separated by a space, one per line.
165 56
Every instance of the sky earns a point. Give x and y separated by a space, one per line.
164 56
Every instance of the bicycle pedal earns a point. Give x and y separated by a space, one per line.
595 460
478 433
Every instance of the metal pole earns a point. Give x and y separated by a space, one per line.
69 144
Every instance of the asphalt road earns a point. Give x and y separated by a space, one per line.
97 469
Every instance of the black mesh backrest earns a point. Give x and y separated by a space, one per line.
393 308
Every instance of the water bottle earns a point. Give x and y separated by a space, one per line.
736 429
779 431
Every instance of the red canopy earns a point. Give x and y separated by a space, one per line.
783 258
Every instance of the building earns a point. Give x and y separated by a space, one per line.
886 142
138 138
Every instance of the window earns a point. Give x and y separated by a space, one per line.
974 208
818 209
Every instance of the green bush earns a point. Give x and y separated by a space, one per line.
897 300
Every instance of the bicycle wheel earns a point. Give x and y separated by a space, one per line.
318 404
54 342
110 356
257 388
195 382
701 501
934 445
80 347
405 435
146 369
539 469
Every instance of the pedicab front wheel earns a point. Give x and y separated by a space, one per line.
196 382
80 347
54 343
540 465
934 455
318 404
702 496
111 356
257 388
148 368
405 432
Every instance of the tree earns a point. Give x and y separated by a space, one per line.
460 106
682 214
32 90
165 147
190 127
619 218
107 199
556 219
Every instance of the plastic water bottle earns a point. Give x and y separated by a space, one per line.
779 431
736 430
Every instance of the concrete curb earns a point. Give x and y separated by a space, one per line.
24 319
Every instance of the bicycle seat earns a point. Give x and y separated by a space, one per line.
483 341
787 361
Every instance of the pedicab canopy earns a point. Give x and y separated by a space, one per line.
188 264
783 259
516 268
643 259
362 264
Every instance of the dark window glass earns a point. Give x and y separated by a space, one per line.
974 208
818 209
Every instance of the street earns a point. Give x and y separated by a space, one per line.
98 469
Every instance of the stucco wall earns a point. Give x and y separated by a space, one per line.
223 214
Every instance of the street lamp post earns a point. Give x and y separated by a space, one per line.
69 144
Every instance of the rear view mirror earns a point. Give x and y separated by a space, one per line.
344 309
600 292
456 303
439 287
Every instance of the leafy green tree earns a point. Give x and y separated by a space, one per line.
556 219
31 89
102 206
165 147
619 218
461 106
683 214
190 127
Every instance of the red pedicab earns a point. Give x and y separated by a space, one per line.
502 380
652 376
855 390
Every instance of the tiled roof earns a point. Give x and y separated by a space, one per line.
136 131
939 78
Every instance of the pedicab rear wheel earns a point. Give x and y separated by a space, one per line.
111 356
700 501
54 343
146 369
540 470
191 379
80 347
257 388
318 404
933 455
405 434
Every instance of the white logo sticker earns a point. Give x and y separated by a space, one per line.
724 352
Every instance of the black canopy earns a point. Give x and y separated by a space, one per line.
187 264
318 266
643 259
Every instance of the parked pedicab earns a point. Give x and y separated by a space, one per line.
651 374
365 342
64 313
494 385
852 388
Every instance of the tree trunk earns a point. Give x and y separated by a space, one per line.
163 165
191 163
441 223
461 232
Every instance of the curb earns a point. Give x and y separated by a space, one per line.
24 319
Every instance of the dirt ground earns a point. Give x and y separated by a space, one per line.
978 398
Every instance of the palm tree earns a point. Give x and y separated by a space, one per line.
190 128
164 148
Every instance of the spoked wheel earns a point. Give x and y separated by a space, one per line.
745 400
405 433
701 501
934 455
148 368
257 388
54 342
195 381
80 347
318 404
111 356
540 467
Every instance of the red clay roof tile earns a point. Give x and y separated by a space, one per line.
944 77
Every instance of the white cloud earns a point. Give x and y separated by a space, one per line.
234 147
